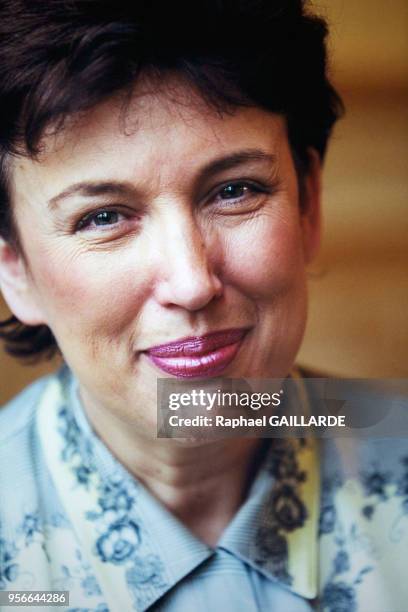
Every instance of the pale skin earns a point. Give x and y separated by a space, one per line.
202 231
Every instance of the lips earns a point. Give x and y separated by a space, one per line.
198 356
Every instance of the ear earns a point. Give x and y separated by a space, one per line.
310 207
17 286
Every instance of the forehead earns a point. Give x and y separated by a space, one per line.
155 133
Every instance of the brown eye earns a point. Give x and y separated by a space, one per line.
241 193
234 191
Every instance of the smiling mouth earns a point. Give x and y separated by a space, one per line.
198 356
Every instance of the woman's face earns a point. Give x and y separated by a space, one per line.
165 222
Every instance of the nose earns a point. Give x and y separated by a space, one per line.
186 267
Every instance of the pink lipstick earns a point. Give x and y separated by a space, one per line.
198 356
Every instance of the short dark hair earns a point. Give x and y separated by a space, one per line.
62 57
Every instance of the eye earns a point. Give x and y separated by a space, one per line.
234 191
239 195
106 217
101 218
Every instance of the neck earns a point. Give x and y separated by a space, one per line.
203 484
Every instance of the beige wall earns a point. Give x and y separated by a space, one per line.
358 322
369 41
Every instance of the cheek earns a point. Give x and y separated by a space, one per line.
266 258
96 293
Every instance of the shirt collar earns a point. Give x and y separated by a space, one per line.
170 551
275 531
277 528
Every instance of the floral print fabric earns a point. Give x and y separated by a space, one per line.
325 525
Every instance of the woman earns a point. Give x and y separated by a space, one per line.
160 204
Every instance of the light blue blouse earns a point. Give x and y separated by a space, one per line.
325 526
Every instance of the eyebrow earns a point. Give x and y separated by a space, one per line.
89 189
124 188
239 158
